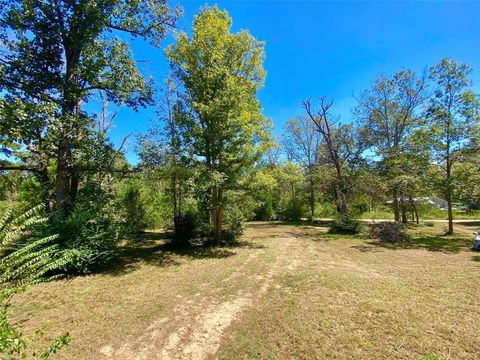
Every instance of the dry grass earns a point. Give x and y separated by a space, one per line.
290 292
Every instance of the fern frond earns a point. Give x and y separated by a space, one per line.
25 259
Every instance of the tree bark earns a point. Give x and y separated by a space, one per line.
45 181
312 196
449 198
62 179
414 210
396 210
403 208
216 215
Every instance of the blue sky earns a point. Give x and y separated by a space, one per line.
336 49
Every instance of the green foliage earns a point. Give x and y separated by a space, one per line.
26 258
378 212
235 220
346 225
453 116
58 56
220 73
14 345
294 211
325 210
187 227
91 231
264 211
91 236
134 208
30 193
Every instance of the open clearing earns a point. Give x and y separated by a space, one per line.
287 292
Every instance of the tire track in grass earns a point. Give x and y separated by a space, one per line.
200 322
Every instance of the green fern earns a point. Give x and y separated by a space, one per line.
24 257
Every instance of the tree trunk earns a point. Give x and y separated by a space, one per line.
216 215
403 208
396 210
45 181
414 210
74 183
62 179
342 204
449 199
70 108
312 199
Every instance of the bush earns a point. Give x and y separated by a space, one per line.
186 228
91 236
134 220
346 225
294 211
234 219
389 232
264 210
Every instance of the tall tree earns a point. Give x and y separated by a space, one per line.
453 114
302 144
221 72
55 53
390 113
342 148
164 151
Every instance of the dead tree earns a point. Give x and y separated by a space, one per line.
326 127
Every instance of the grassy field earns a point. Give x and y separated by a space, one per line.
287 292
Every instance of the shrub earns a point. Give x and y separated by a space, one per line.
264 210
389 232
294 211
346 225
91 236
186 228
234 219
91 230
134 219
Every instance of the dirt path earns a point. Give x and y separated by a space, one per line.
288 292
198 324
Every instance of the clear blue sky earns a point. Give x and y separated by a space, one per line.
335 49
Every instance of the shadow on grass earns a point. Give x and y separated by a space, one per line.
153 248
473 224
445 244
273 224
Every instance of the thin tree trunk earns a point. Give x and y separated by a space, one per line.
414 209
449 199
396 210
312 198
45 181
62 179
216 215
74 183
403 208
342 190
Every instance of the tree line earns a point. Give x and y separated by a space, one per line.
210 160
